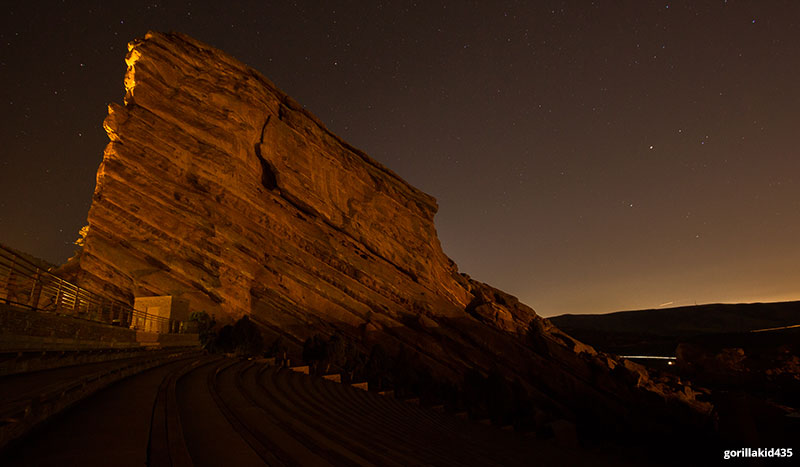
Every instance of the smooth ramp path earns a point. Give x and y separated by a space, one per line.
109 428
209 436
30 399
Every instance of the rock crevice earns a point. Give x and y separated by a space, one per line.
269 179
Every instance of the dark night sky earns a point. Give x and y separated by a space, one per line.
587 156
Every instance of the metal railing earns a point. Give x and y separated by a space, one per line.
24 284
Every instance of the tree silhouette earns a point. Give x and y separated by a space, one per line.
376 370
314 351
205 327
247 337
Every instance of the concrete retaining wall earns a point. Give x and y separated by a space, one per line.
32 341
167 340
22 330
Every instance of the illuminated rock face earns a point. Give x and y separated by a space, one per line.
219 189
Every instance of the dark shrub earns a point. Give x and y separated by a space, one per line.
205 327
224 343
247 337
376 369
314 351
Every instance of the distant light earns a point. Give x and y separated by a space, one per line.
648 357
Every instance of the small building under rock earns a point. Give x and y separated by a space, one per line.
162 314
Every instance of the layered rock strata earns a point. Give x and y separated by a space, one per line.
218 188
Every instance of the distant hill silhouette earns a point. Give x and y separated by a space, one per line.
658 331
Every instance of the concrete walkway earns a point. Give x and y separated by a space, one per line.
110 428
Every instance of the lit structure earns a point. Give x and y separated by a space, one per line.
161 314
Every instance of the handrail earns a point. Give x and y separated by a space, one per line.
23 283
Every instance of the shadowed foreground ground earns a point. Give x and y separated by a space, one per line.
217 411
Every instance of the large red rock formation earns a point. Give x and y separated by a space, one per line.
218 188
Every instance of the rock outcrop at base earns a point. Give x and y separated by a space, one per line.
218 188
